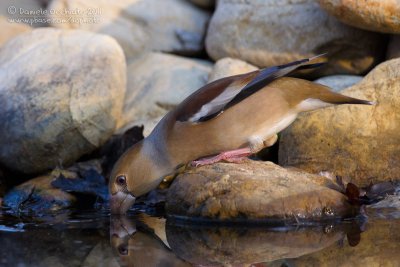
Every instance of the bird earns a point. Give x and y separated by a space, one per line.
227 119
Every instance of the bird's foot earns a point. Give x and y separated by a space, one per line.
234 156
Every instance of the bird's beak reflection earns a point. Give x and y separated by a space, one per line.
120 202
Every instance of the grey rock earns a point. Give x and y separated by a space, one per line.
58 100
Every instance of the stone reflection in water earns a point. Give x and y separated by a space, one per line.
168 244
379 246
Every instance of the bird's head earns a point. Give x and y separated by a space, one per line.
130 178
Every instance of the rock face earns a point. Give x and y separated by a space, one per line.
60 100
228 67
158 82
10 30
339 82
273 32
372 15
357 142
142 25
254 190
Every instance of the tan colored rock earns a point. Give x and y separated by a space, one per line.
204 3
158 82
266 33
339 82
140 25
58 100
372 15
254 190
10 30
228 67
357 142
393 50
379 246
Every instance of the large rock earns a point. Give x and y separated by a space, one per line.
58 100
339 82
357 142
158 82
10 30
141 25
372 15
254 191
271 32
228 67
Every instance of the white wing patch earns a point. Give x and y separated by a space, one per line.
217 103
312 104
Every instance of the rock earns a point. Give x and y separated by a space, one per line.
158 82
254 191
17 12
357 142
339 82
393 50
229 67
58 190
204 3
141 25
37 196
10 30
379 246
266 33
60 100
372 15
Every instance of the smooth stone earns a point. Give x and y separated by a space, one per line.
393 50
158 82
10 30
378 246
339 82
228 67
142 25
254 190
371 15
58 100
267 33
356 142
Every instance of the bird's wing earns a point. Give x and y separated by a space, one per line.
212 99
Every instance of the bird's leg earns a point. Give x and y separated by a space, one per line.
236 156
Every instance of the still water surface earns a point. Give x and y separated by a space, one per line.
95 239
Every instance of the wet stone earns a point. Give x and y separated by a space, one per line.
254 191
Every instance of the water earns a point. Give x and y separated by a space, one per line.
95 239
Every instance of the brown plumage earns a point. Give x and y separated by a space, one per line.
243 111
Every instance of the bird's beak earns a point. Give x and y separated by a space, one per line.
120 202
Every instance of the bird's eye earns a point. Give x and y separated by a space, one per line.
123 250
121 180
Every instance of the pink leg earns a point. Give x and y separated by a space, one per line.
236 155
